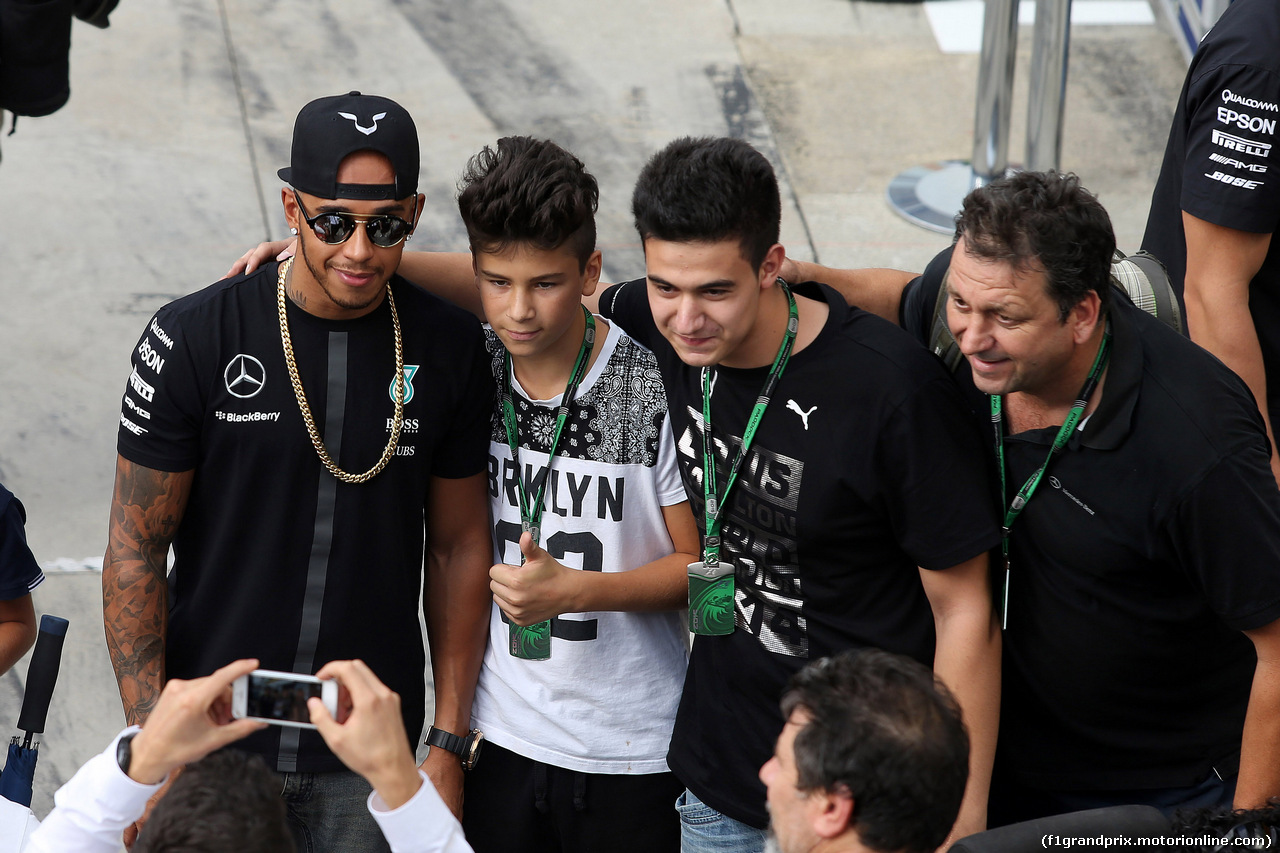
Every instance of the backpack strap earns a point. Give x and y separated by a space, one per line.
941 341
1146 282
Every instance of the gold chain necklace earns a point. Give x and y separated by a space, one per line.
305 407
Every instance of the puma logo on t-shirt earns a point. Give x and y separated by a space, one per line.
804 416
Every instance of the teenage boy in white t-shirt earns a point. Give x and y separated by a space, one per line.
575 753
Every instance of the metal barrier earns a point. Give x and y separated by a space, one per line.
931 195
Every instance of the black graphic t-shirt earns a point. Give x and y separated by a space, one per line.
864 468
274 558
1222 161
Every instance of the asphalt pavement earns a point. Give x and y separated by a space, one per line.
160 171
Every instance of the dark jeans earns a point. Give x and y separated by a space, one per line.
329 813
512 803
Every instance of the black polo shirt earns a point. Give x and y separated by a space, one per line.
1151 544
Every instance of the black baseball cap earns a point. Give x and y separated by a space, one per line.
328 129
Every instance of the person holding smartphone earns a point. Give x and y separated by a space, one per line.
227 802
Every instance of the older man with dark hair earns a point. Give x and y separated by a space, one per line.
873 756
1142 524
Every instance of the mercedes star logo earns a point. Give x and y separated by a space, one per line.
244 376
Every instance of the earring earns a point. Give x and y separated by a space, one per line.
408 237
293 231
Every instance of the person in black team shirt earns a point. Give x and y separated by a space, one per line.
1148 557
299 549
1216 204
860 515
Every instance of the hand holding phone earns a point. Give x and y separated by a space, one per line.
370 739
280 698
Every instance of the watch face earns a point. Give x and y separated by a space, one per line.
472 749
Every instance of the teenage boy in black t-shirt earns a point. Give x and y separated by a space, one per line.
861 513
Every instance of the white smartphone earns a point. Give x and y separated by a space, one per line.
280 698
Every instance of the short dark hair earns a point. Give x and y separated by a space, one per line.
884 729
708 189
526 190
1043 220
226 801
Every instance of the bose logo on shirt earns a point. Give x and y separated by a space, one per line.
1232 180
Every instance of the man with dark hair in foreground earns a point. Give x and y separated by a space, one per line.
229 802
873 756
1142 521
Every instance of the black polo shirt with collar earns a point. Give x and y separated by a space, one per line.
1153 541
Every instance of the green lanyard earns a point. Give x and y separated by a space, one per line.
531 511
533 642
715 505
1028 489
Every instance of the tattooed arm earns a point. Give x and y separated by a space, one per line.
146 509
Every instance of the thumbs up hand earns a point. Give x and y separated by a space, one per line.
536 591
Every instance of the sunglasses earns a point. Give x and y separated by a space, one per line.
384 230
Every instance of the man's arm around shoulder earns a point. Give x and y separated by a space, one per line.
878 291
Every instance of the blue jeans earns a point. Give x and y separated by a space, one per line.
329 813
705 830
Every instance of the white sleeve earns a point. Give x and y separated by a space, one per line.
92 810
422 825
670 486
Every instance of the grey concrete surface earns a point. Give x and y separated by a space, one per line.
161 170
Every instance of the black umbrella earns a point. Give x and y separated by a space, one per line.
20 768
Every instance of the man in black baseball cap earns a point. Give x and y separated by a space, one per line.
304 435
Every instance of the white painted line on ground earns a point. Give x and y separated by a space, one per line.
68 565
957 24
